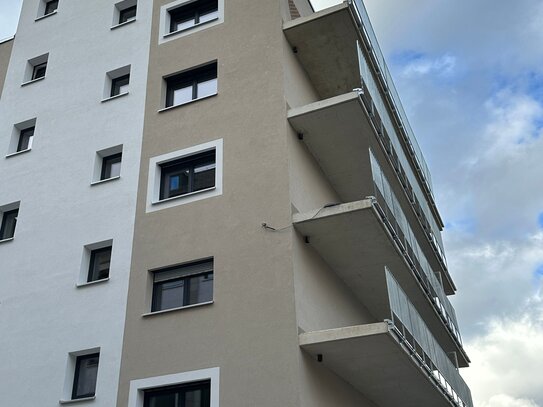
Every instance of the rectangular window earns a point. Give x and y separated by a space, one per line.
9 221
120 85
39 71
25 139
86 372
127 14
188 174
192 14
196 394
191 85
50 7
111 166
100 260
183 285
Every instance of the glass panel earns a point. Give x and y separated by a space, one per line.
182 95
178 183
99 264
213 15
193 398
115 169
162 400
200 289
9 221
183 25
111 166
168 295
51 6
207 88
127 14
120 85
85 379
39 71
25 139
204 177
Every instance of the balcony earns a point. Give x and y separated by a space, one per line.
327 44
394 363
339 132
359 239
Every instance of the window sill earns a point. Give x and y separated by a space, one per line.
186 103
123 24
115 97
32 81
149 314
46 15
18 153
173 198
77 400
103 181
103 280
6 240
173 33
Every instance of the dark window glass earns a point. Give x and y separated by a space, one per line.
111 166
86 371
39 71
188 174
194 84
120 85
127 14
194 13
25 138
9 221
51 6
183 285
187 395
99 264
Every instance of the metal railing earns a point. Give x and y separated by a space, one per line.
413 332
388 206
385 78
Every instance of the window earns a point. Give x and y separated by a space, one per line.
183 285
22 137
197 394
100 260
86 372
36 68
189 174
111 166
127 14
120 85
192 14
9 221
50 7
25 139
117 83
191 85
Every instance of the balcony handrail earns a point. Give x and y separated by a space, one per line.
408 243
421 341
390 90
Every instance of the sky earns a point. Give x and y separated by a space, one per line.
470 75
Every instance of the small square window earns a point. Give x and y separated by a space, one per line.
39 71
36 68
189 174
193 14
111 166
99 264
183 285
86 373
127 14
25 139
191 85
9 221
120 85
50 7
195 394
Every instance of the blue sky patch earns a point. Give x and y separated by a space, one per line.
540 220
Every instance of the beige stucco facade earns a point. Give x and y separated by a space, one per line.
5 54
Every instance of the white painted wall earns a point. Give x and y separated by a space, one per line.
43 315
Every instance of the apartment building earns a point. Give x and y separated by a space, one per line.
216 203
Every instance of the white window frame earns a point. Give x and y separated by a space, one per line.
138 387
165 34
154 203
69 376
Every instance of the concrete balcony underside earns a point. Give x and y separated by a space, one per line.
325 43
354 242
372 360
337 132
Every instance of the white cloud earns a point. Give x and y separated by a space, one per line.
441 66
503 400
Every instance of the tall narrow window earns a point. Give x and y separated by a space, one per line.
189 174
192 14
50 7
191 85
183 285
100 260
9 221
25 139
86 373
